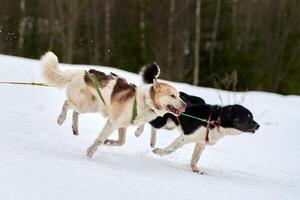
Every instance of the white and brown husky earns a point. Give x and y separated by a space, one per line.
121 103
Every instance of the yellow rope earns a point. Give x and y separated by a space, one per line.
27 83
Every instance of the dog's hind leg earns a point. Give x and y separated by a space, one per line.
139 130
120 141
177 143
104 134
62 117
153 137
75 123
195 158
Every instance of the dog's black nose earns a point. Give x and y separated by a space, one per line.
257 126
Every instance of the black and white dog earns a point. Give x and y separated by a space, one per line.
222 121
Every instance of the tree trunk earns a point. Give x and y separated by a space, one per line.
51 25
142 29
70 44
90 35
170 36
214 36
234 14
68 17
96 33
197 43
22 25
107 13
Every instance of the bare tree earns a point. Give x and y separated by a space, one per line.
142 28
51 26
278 48
22 24
68 14
214 36
283 57
172 8
234 20
96 27
107 18
197 43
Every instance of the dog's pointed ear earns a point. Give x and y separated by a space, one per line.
156 84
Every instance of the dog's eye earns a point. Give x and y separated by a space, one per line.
173 96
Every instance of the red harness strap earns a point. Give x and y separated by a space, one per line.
208 123
207 128
215 123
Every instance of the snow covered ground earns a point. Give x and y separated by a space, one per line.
41 160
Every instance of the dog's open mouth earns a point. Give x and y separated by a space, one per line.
250 130
173 110
254 128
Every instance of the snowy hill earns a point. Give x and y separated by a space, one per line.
41 160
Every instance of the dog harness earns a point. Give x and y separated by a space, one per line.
134 110
96 84
214 123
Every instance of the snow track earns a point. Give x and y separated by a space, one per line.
41 160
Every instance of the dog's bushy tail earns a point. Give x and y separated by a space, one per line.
53 74
150 72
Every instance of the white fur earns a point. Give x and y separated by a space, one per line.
81 98
198 137
53 74
170 125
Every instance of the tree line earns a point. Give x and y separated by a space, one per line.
229 44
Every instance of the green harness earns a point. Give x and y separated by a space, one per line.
96 86
134 110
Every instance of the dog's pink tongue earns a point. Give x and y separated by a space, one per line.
182 109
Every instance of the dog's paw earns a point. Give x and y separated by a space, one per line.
138 132
110 142
91 151
152 144
75 131
161 152
60 119
199 171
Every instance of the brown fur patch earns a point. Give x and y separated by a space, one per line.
122 91
166 89
153 98
94 98
120 96
102 78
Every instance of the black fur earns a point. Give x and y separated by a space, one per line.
160 122
232 116
189 99
150 72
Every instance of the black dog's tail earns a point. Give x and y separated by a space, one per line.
150 72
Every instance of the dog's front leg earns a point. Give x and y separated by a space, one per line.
177 143
75 123
195 158
120 141
105 133
139 130
153 137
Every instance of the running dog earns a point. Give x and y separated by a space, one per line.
123 104
202 124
